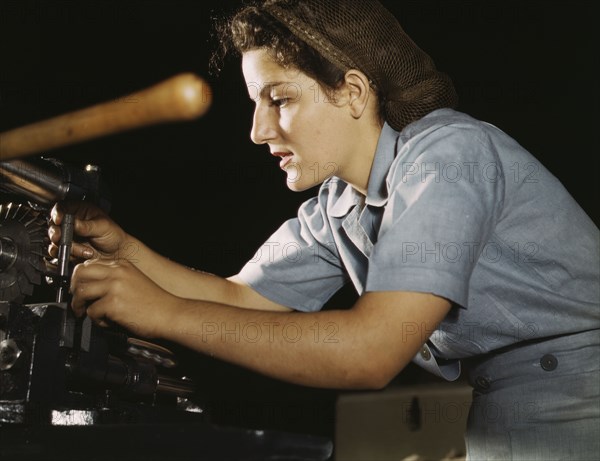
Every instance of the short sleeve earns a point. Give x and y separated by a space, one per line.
299 265
445 196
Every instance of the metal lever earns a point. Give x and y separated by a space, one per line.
64 255
68 332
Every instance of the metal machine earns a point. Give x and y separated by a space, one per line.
65 382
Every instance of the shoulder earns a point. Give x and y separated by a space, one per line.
449 140
442 123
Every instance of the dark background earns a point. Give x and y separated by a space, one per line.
200 193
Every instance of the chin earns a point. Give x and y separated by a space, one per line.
300 186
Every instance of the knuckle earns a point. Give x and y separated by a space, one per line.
77 306
92 313
85 264
77 271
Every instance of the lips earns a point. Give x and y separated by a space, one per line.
286 157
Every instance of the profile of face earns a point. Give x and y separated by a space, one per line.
315 133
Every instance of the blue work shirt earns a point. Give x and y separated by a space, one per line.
457 208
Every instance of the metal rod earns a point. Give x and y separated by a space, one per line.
64 255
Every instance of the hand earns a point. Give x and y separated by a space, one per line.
115 291
103 237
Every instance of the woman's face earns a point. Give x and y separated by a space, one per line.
314 137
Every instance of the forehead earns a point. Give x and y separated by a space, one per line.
259 67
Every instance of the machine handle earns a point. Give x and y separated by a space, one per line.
182 97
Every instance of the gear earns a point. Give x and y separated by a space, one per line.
23 241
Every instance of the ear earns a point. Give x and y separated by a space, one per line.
359 92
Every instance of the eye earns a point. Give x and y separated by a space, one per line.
280 102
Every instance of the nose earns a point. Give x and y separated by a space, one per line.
262 125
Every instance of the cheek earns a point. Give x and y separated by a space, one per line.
315 126
306 129
295 119
329 122
287 124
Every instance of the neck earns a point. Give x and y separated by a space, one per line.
357 174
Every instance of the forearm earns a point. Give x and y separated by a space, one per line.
177 279
322 349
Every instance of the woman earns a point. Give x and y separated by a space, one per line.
459 243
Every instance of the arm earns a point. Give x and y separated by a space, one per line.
106 240
360 348
188 283
364 347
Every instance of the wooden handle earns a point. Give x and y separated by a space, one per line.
183 97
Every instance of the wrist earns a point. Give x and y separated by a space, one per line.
129 249
168 318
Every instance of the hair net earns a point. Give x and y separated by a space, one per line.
363 35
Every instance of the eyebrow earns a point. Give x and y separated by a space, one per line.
270 86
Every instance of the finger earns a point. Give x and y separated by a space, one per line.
96 312
83 251
92 270
79 251
80 302
54 233
81 210
102 323
56 213
82 225
98 228
86 293
88 283
60 209
53 250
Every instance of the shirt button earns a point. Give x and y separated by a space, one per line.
425 354
482 382
549 362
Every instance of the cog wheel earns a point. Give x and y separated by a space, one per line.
23 242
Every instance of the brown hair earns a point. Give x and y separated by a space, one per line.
251 27
326 38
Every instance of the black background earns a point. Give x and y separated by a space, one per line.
200 193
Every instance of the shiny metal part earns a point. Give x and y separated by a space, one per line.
74 417
174 386
23 242
153 352
12 412
8 253
64 254
9 354
42 185
46 181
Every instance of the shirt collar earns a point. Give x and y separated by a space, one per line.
377 194
342 197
